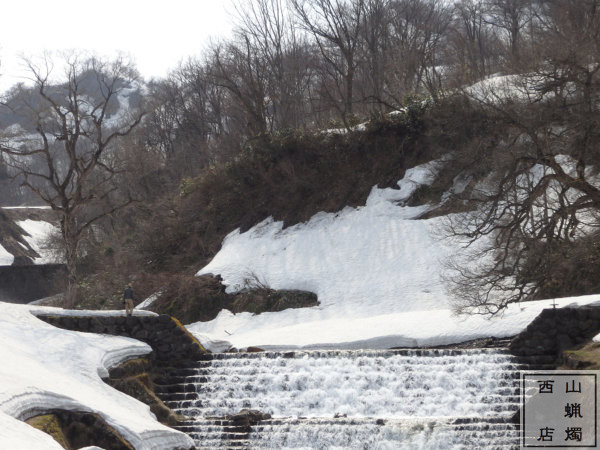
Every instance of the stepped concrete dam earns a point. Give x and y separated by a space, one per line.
415 398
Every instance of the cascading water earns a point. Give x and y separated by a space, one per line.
357 399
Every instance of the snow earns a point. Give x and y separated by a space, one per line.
50 310
500 88
38 232
6 259
148 302
213 345
47 368
376 271
26 207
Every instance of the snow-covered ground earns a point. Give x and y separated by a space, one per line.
376 270
44 368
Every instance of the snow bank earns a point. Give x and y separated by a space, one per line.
277 331
14 434
376 271
45 368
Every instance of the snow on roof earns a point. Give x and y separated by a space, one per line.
46 368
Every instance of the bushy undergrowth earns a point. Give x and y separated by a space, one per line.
569 268
191 298
290 176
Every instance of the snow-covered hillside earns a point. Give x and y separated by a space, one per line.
376 270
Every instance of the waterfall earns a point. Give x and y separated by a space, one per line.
434 398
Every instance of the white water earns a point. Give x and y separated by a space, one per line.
392 435
380 399
360 384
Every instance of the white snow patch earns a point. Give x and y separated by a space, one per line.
148 302
39 231
6 259
211 344
84 312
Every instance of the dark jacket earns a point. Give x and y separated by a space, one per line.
128 294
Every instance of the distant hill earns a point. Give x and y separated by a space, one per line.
15 111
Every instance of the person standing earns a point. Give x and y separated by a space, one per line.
128 300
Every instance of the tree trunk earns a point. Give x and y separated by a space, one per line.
71 242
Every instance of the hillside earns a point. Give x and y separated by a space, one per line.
377 270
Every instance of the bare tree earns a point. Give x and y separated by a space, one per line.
417 30
511 16
64 150
188 121
543 197
270 30
336 27
475 46
375 53
238 67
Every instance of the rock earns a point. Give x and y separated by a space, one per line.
248 417
164 319
131 321
80 429
563 341
140 334
117 372
261 300
254 350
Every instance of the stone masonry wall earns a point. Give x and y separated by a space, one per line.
555 330
25 283
169 340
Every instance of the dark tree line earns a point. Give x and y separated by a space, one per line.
314 64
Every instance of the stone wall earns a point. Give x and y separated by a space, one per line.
23 284
169 340
555 330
